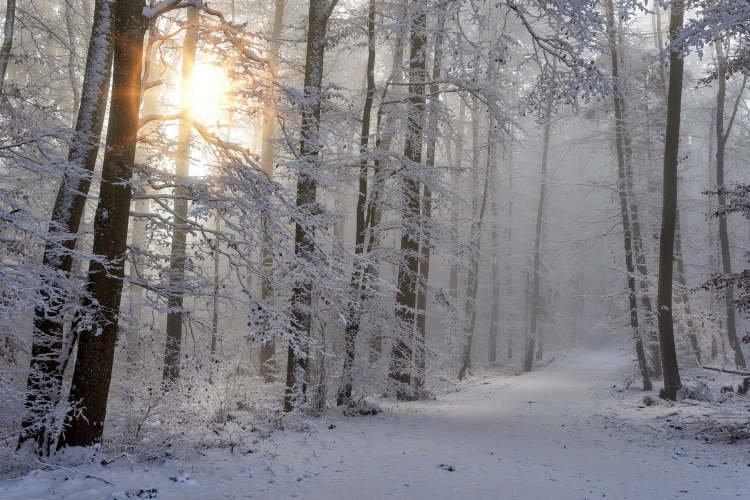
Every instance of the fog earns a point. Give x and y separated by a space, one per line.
229 226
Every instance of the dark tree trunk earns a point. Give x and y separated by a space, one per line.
304 248
50 349
664 304
726 260
98 330
10 19
623 194
424 265
358 285
400 370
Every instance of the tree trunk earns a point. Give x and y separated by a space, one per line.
726 260
455 179
509 271
50 349
424 265
472 280
10 19
640 257
179 234
98 329
623 195
681 279
664 304
495 311
358 285
268 350
382 145
138 241
401 355
71 54
304 238
530 345
215 315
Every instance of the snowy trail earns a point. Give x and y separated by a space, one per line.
560 432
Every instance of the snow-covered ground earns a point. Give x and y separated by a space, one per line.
566 431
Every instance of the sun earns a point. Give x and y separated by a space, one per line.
211 87
210 100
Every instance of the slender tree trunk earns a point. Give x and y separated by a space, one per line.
623 194
424 265
215 315
179 233
640 256
472 280
509 271
682 281
664 304
400 370
71 54
382 145
715 250
455 179
268 350
358 284
51 348
495 310
10 19
530 345
138 242
98 330
304 239
726 260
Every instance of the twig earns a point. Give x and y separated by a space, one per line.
88 476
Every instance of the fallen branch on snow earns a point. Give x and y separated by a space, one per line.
723 370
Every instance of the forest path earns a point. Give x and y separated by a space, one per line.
560 432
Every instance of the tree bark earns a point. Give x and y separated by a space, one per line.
726 260
455 179
358 285
217 263
400 370
424 265
509 234
664 304
640 256
682 281
268 350
530 345
51 348
623 195
97 330
172 352
472 279
495 310
304 247
10 19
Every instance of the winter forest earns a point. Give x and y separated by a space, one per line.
370 248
